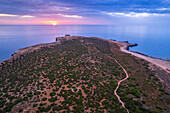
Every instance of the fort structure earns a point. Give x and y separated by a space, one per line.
61 39
67 36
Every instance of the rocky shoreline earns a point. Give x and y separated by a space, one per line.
141 70
161 67
26 50
124 47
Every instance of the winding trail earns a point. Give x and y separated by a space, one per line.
115 91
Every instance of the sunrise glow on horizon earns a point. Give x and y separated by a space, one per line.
50 23
81 12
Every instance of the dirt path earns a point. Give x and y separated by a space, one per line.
115 91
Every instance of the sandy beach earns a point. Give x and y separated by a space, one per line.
158 62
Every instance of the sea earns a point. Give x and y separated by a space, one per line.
152 40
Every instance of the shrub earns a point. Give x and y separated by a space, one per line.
43 109
44 99
53 94
37 93
35 105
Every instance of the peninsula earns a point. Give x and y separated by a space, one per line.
84 74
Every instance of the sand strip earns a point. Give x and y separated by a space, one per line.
158 62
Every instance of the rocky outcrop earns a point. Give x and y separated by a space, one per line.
62 39
129 45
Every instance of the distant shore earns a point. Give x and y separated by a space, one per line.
124 47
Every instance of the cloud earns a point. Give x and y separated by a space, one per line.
57 8
70 16
82 10
163 9
27 16
133 14
10 15
81 7
155 14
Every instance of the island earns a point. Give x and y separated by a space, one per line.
84 74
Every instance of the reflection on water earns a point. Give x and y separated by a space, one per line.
153 40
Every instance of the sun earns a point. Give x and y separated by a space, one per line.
54 24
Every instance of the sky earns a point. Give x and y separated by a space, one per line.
84 12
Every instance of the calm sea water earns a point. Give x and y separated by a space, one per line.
153 40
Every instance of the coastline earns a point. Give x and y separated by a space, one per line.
124 47
122 58
159 66
26 50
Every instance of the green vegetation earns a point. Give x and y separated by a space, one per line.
44 99
53 94
79 76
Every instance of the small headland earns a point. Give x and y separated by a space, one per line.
124 47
